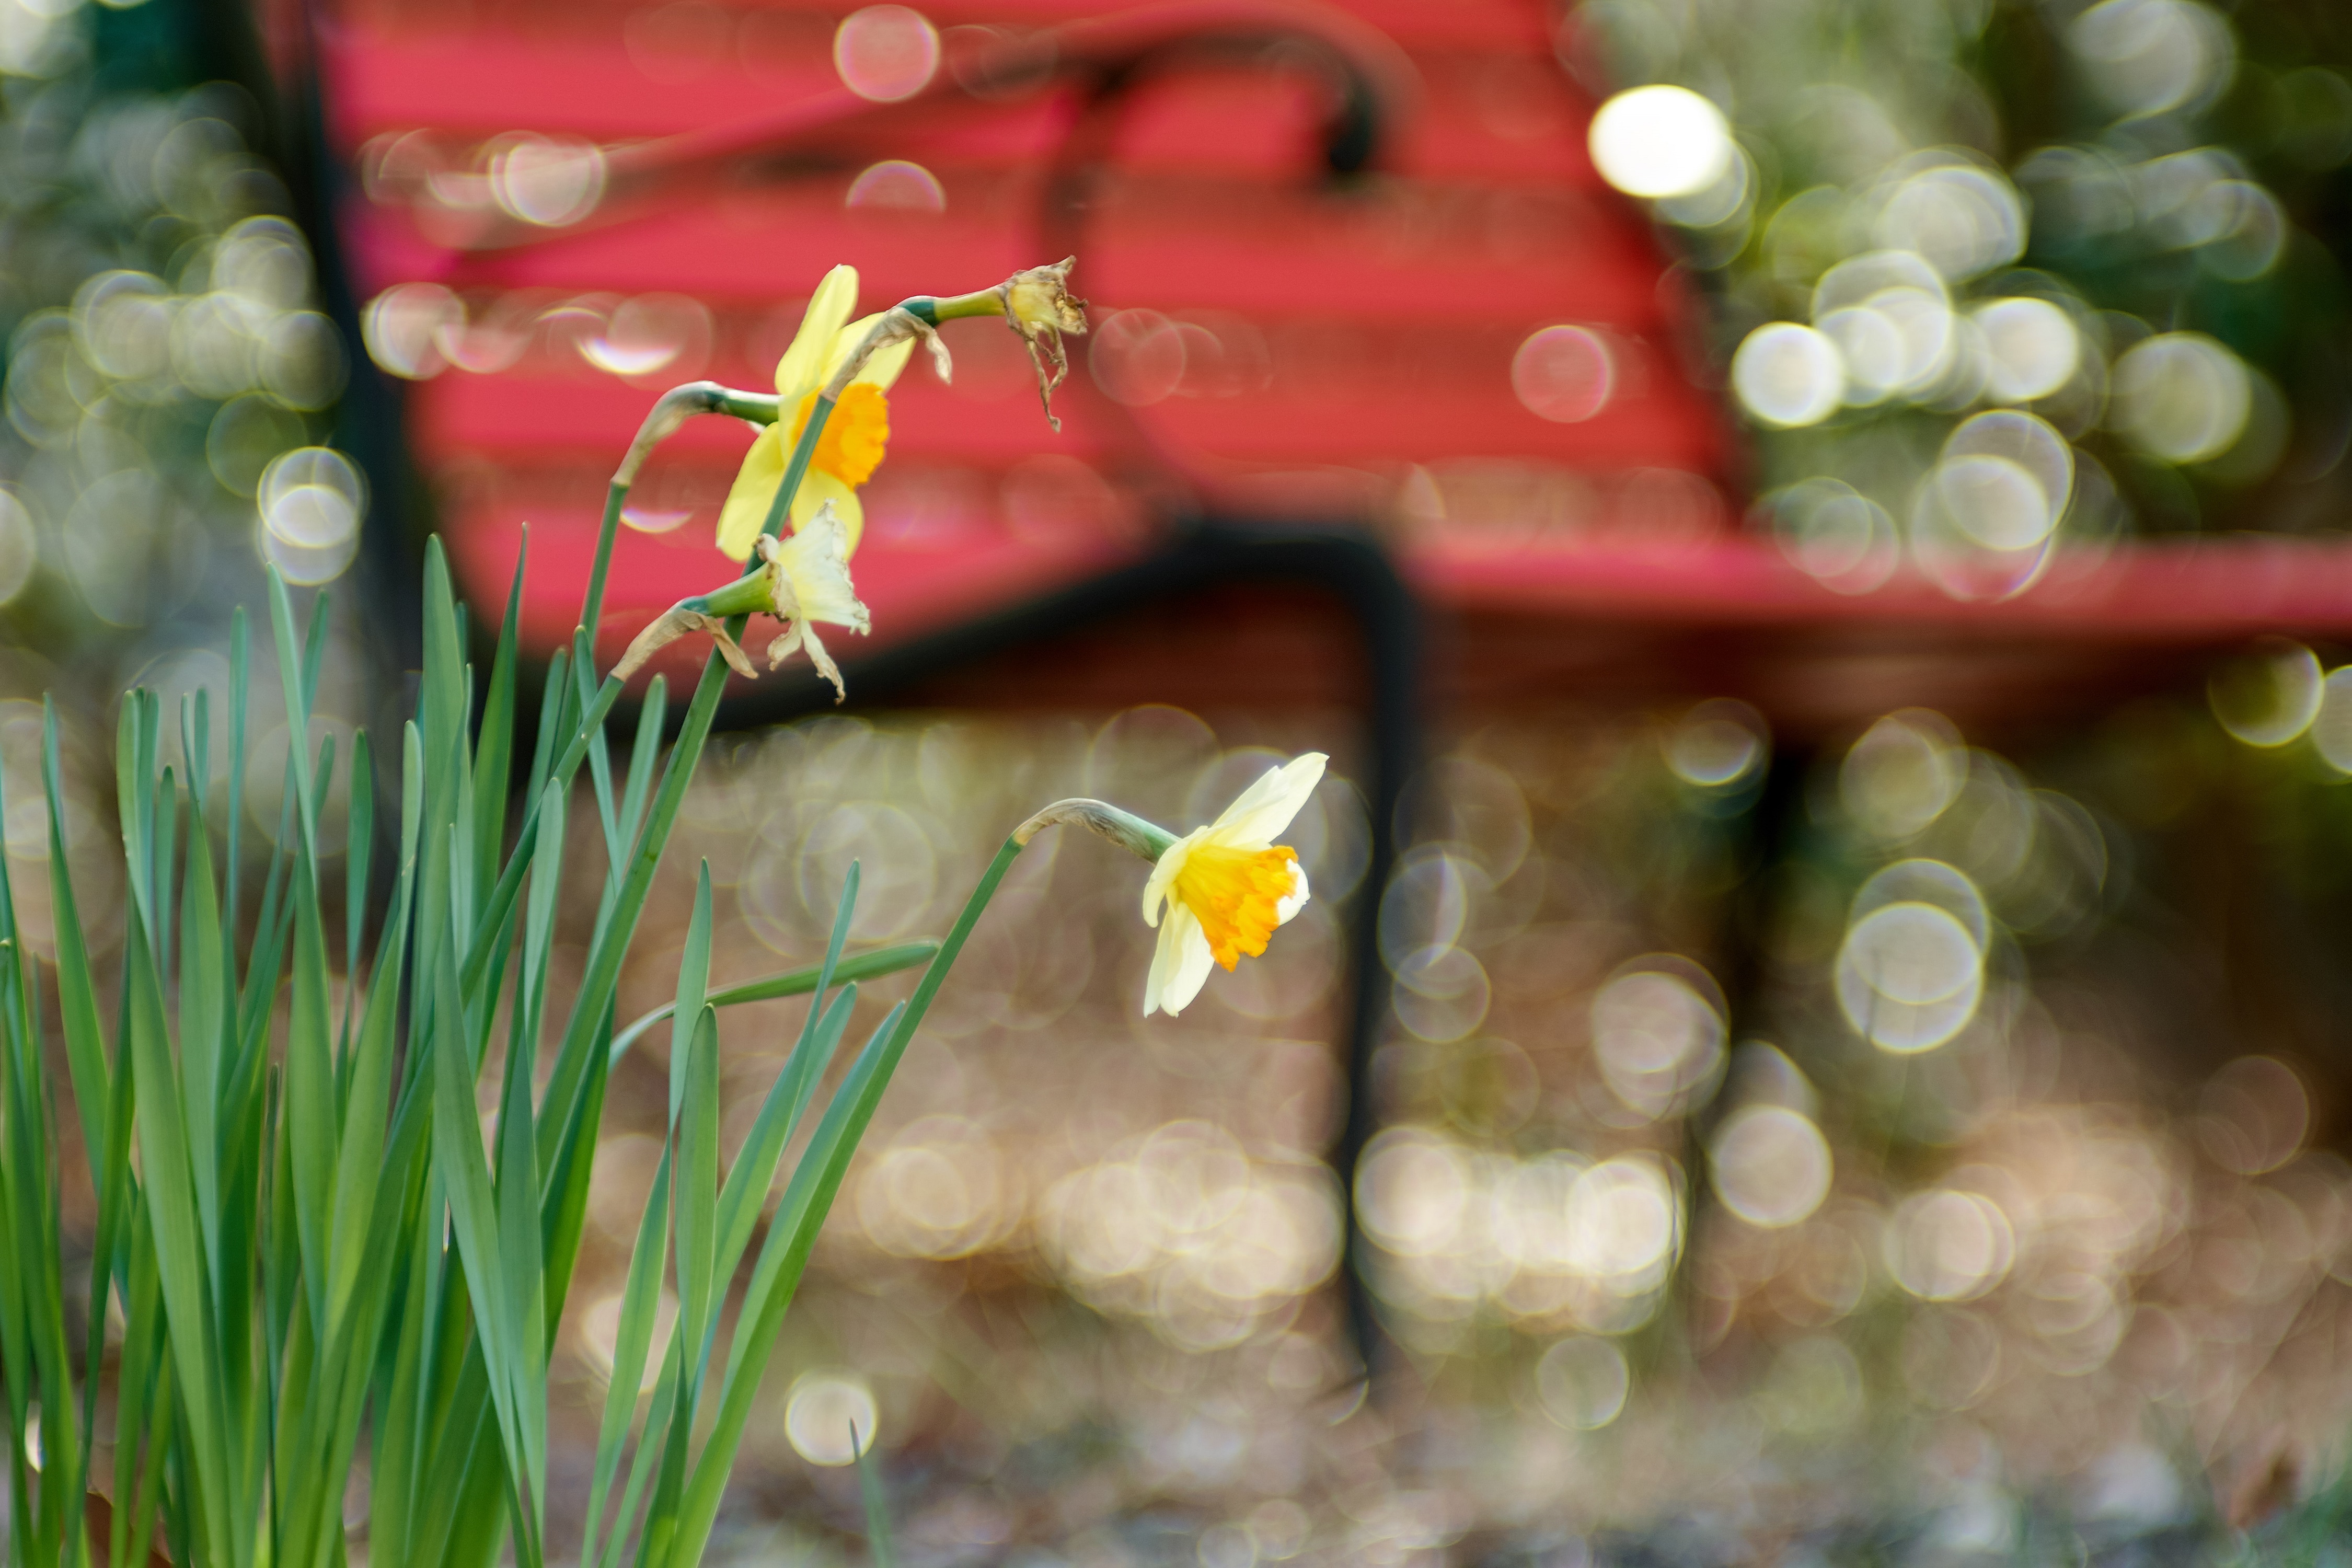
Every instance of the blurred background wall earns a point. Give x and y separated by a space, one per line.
1812 533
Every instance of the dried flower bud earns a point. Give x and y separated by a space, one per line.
1039 306
674 623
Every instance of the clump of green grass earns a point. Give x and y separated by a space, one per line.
319 1262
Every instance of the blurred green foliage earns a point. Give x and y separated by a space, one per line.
2168 175
164 344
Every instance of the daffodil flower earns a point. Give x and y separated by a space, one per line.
801 580
1216 892
1219 891
842 369
850 447
808 581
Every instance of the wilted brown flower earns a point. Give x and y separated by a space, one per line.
1040 307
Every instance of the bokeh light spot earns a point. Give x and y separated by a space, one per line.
1910 974
896 185
600 1335
1583 1382
400 326
2182 396
2331 727
1835 535
1657 1040
1660 142
1441 992
1137 357
1948 1246
1788 376
2032 348
1931 882
1994 501
1771 1165
939 1190
1897 309
2146 57
1902 773
1871 346
124 321
1564 375
2032 444
2252 1115
1427 903
650 333
311 502
1717 744
1622 1223
1912 952
886 52
1909 977
1964 218
547 181
2269 696
2249 230
829 1417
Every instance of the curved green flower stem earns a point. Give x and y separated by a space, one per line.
672 409
1146 840
746 596
980 302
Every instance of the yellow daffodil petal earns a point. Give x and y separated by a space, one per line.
1179 964
1267 808
754 491
819 488
809 359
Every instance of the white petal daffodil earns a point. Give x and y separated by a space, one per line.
851 446
801 580
1219 891
808 581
